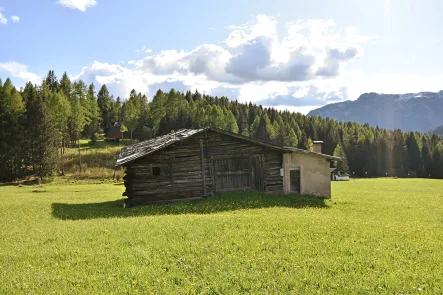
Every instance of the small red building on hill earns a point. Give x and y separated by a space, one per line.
113 133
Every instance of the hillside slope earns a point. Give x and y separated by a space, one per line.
413 111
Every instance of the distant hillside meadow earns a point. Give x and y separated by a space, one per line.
42 123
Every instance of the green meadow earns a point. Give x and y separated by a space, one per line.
375 236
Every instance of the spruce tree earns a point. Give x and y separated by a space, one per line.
11 117
342 166
413 150
132 115
437 161
65 85
201 120
282 134
104 102
292 139
263 129
51 81
41 133
79 116
232 122
93 113
158 111
303 142
426 155
59 110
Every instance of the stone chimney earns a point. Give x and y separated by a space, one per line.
317 146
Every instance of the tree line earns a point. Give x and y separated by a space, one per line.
39 121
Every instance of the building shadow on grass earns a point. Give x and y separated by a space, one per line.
219 203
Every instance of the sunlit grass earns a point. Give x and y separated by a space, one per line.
97 160
376 236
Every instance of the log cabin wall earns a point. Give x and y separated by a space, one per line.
176 172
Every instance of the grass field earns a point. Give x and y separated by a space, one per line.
98 160
376 236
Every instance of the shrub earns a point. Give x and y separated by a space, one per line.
94 138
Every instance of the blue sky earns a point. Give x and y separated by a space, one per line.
295 55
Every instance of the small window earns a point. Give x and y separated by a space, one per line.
156 171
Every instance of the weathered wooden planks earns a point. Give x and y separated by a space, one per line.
202 165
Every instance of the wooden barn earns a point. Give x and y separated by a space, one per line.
195 163
113 133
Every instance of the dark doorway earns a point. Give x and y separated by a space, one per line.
294 176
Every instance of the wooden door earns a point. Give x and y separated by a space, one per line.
231 174
258 173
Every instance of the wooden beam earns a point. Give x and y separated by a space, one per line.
202 156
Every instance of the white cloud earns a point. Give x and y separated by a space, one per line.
144 49
304 68
396 83
15 18
120 80
3 19
252 52
81 5
19 70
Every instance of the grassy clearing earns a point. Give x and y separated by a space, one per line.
98 160
376 236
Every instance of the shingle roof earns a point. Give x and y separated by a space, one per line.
144 148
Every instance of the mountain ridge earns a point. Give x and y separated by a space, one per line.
422 111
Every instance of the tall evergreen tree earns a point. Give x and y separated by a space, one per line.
51 81
264 129
342 166
132 114
105 105
65 85
437 161
292 139
413 151
231 122
79 116
41 133
11 117
426 155
93 113
158 111
59 110
282 135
